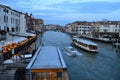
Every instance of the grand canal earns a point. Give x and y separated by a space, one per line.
104 65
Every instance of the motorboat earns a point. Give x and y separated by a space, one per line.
71 51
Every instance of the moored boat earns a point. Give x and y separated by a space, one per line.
85 44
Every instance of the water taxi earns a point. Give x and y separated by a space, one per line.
71 51
47 64
85 44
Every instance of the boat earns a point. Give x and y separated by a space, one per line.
85 44
71 51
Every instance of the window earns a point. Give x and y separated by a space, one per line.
13 29
47 76
7 18
11 20
7 29
16 20
0 9
106 26
7 11
4 19
105 30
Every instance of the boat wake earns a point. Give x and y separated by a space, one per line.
77 54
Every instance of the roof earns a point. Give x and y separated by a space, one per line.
22 34
16 40
85 41
47 57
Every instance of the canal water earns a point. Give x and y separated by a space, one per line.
103 65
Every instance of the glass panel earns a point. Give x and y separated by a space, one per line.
47 76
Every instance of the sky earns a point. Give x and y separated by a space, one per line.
62 12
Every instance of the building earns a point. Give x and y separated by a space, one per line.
68 28
34 24
106 29
110 26
29 21
11 20
50 27
38 25
22 27
95 29
47 64
83 29
80 28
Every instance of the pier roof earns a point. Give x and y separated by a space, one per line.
47 57
22 34
86 41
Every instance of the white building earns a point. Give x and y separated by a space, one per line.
83 29
11 20
3 18
50 27
106 29
23 26
68 28
110 26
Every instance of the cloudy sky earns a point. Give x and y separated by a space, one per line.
66 11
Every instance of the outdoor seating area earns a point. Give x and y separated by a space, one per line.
13 47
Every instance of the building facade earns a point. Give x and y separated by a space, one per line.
50 27
22 27
110 26
33 24
38 25
68 28
95 29
83 29
11 20
106 29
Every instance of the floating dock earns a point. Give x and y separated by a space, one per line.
47 64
